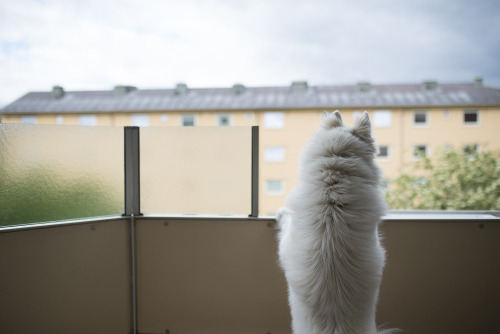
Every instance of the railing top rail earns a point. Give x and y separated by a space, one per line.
392 216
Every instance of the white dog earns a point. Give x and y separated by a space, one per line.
329 245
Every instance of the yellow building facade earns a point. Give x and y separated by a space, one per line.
405 119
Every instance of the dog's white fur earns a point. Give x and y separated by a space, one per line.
329 245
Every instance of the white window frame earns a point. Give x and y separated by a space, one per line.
476 149
469 111
59 119
275 192
416 147
386 157
139 120
185 116
221 116
163 118
249 116
274 120
421 124
28 119
274 154
446 114
382 118
356 114
87 120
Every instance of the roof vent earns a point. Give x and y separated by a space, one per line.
298 87
181 89
57 92
364 87
123 90
238 89
429 85
478 81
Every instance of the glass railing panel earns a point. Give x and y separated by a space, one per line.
50 172
196 170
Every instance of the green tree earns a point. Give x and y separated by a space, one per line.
456 180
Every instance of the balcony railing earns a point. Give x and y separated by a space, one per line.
178 274
221 275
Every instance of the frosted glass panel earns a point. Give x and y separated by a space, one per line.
50 172
196 170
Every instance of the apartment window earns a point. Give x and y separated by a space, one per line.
382 118
29 120
188 120
249 116
224 119
383 152
446 114
471 117
420 151
420 117
274 120
163 118
274 187
356 114
274 154
471 150
140 120
59 119
87 120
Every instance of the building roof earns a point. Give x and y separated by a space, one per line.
297 95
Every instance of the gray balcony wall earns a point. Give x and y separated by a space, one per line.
66 279
221 275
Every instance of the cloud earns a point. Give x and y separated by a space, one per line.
96 44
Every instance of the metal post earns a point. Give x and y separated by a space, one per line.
132 171
133 274
132 207
255 172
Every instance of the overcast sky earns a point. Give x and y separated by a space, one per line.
97 44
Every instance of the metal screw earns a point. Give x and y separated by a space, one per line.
269 224
167 331
93 227
165 224
481 225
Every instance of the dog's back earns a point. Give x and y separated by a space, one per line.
329 242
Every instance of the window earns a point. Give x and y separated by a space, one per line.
59 119
471 151
249 116
471 117
356 114
274 120
140 120
382 118
188 120
163 118
87 120
420 151
274 154
224 119
383 152
274 187
420 118
446 114
29 120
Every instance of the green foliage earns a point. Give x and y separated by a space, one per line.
456 180
40 196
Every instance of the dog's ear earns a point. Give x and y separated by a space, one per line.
363 128
332 120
